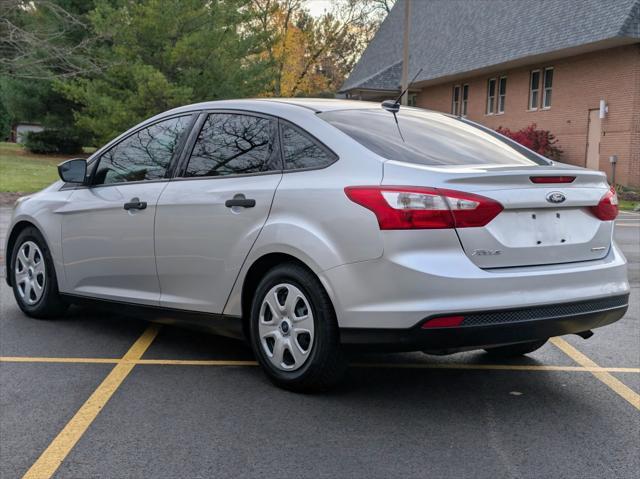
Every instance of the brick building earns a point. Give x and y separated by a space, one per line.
512 63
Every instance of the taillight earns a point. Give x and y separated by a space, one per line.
552 179
607 208
401 207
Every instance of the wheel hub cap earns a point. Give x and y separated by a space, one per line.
30 272
286 327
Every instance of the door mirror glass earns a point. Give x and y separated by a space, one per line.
73 171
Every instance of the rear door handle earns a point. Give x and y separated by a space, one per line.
240 200
135 204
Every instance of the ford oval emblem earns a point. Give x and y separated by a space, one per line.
556 197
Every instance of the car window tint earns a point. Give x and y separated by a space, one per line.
301 151
145 155
429 138
233 144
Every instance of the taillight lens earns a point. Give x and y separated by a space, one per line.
400 207
607 208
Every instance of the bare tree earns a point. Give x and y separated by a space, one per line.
41 40
304 49
342 34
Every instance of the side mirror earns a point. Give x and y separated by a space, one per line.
73 171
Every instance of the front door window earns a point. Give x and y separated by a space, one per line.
144 155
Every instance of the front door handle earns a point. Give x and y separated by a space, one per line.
240 200
135 204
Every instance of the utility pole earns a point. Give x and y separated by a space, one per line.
405 53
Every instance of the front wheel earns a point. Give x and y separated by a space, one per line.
294 332
514 350
33 277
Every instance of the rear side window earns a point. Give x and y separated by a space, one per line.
144 155
301 151
428 138
234 144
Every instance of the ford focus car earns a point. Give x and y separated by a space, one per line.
306 226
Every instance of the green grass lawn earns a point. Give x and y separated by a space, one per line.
24 172
627 205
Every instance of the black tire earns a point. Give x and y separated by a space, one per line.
325 366
514 350
50 304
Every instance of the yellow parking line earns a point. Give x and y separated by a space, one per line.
188 362
54 454
27 359
225 362
615 384
497 367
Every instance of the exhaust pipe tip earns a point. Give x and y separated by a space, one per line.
585 334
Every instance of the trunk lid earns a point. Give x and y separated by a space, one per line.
542 223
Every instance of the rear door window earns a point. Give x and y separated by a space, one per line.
234 144
301 151
428 138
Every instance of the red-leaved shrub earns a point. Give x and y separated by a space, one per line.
540 141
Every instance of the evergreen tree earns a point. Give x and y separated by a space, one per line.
162 54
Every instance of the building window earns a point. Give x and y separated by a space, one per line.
455 100
534 89
548 83
465 99
502 94
491 96
412 100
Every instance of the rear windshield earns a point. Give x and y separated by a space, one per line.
430 138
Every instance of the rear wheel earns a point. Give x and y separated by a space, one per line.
33 277
514 350
294 332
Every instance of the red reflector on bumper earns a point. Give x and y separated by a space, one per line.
444 322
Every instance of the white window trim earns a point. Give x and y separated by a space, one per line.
531 90
463 101
544 89
493 98
498 111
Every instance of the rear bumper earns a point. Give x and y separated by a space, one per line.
491 328
436 278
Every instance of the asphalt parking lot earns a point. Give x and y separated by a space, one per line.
96 395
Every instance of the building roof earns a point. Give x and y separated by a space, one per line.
450 37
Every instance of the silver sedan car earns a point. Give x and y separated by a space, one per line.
306 226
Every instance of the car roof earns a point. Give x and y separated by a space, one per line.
326 104
315 105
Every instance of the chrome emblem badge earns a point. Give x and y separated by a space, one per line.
556 197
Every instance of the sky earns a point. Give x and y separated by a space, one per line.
317 7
